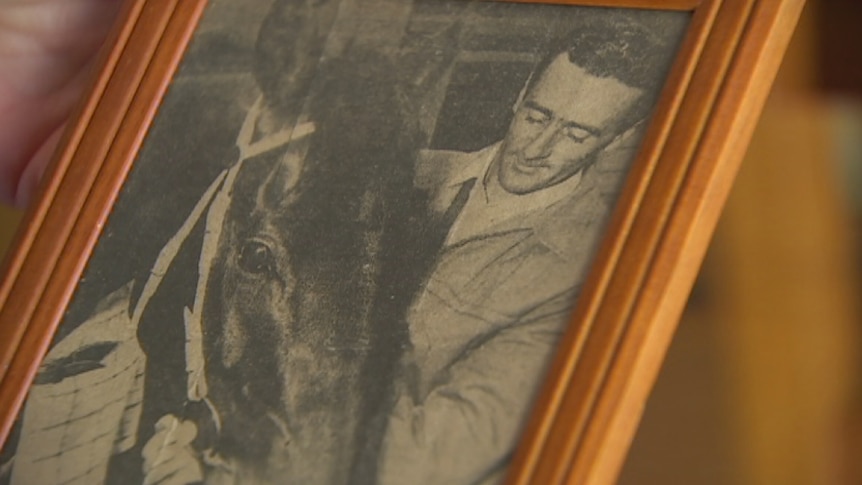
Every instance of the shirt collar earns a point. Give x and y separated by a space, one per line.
477 166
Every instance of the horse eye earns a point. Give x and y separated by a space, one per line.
256 257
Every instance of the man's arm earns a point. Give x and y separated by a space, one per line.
468 426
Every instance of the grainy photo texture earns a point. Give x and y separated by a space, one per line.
349 246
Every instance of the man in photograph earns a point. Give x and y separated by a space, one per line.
520 221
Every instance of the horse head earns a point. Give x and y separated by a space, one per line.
291 314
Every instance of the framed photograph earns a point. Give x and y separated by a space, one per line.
373 241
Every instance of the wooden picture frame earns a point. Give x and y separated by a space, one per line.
587 411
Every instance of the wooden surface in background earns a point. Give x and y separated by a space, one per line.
684 437
787 301
762 381
761 385
9 220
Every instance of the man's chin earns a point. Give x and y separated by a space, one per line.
520 183
519 176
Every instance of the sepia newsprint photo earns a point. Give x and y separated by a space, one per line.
349 245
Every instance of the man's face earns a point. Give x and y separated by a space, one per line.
561 124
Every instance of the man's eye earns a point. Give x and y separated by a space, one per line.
577 135
535 117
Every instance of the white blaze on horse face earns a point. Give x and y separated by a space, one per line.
293 161
278 186
235 340
294 157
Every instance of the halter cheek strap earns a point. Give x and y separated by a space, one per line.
213 205
249 149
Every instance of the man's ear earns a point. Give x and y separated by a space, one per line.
522 95
629 137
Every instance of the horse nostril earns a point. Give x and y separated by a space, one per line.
257 258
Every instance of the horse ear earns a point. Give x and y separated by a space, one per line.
424 64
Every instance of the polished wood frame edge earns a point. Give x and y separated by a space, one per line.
98 193
73 186
686 5
563 429
684 239
54 173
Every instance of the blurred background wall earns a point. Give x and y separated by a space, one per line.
763 383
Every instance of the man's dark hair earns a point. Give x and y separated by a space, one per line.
636 47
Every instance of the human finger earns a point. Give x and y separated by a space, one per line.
47 49
171 434
163 438
181 469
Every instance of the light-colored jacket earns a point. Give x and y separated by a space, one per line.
484 328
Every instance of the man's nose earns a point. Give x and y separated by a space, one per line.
541 145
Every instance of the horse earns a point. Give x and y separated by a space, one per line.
303 315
